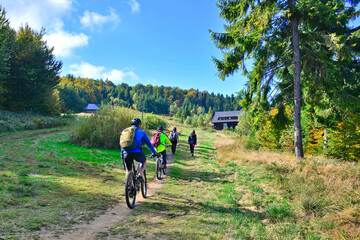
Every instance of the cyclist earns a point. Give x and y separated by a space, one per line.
137 153
161 148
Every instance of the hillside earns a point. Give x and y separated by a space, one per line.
49 187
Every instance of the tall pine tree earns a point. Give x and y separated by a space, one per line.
270 32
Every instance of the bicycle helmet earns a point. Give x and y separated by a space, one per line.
160 128
136 122
174 129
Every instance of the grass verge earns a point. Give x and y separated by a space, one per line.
46 182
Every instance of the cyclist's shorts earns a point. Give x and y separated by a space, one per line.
130 156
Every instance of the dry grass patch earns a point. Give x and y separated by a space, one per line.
323 192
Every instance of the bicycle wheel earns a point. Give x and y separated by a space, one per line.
130 190
144 186
158 168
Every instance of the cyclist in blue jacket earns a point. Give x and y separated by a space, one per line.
137 153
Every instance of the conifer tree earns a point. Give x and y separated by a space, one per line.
267 31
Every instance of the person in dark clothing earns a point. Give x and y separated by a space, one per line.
192 142
174 137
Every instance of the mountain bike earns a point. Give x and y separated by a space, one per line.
159 168
133 186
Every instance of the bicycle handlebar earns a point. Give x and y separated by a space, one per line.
154 155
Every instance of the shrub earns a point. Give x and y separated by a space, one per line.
188 120
14 121
287 140
244 124
38 123
103 129
344 140
252 142
152 122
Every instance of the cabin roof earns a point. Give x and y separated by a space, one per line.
91 107
223 117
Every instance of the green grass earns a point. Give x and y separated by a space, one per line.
48 182
204 200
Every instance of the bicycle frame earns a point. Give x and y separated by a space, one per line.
132 186
159 168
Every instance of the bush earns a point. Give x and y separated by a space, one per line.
188 120
252 142
15 121
244 124
344 140
38 123
103 128
152 122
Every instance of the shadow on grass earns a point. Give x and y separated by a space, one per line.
199 151
52 205
197 175
173 206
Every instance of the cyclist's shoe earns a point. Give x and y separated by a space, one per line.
140 178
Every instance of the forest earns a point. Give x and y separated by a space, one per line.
75 93
302 94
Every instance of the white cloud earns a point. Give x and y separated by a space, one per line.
48 14
94 20
135 6
64 43
88 70
37 13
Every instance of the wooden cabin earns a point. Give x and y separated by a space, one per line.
229 119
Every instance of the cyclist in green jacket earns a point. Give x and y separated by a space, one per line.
161 148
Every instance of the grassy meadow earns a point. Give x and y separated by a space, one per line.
223 192
226 192
46 182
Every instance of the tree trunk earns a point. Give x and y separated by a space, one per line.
299 154
325 139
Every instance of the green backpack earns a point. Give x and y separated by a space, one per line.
127 139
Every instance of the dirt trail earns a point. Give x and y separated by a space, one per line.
104 222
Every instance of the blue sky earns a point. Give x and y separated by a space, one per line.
158 42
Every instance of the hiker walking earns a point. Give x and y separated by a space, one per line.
192 142
174 137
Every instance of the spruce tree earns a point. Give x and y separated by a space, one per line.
276 35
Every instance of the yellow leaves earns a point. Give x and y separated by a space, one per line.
346 138
315 141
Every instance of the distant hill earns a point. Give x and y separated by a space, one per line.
76 93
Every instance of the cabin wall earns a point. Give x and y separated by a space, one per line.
220 126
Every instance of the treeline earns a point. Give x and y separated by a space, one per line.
29 71
303 91
75 93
